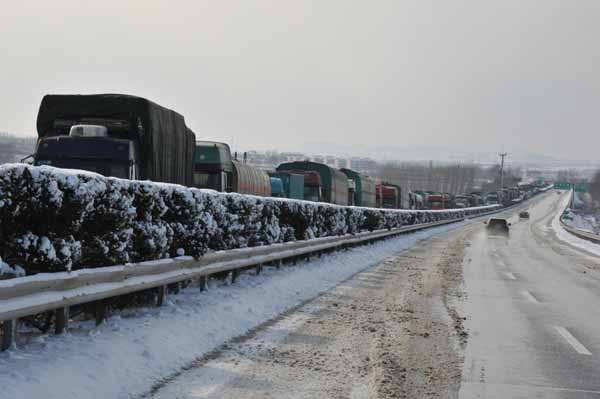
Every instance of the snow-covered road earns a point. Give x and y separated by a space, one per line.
137 349
392 331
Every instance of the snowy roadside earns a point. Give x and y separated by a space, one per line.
130 353
569 238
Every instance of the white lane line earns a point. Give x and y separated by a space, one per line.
529 296
533 388
501 263
578 346
510 276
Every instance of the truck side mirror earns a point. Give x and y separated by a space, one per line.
28 159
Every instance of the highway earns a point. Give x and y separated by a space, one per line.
463 314
533 313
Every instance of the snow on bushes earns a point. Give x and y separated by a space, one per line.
55 220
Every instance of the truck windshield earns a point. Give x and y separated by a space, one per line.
110 169
436 205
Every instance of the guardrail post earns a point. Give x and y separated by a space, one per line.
100 311
9 334
258 269
234 275
161 295
62 320
278 263
175 288
203 283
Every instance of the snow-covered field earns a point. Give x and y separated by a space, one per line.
569 238
135 350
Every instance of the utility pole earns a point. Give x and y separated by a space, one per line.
502 155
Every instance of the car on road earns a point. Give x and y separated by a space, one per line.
523 215
497 226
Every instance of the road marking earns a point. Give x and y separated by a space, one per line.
578 346
510 276
534 388
529 296
500 263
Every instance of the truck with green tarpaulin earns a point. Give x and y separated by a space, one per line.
114 135
321 182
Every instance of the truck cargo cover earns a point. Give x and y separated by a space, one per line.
166 144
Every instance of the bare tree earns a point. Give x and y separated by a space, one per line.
412 176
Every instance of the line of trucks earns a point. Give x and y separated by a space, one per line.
133 138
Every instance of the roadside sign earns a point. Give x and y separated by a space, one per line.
577 187
580 188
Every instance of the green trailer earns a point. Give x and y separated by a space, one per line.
362 189
214 168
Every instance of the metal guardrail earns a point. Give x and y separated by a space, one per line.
46 292
57 292
578 232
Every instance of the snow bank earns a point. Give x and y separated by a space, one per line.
59 220
7 272
569 238
583 222
124 357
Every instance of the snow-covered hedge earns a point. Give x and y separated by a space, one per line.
56 220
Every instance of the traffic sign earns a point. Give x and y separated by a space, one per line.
580 187
577 187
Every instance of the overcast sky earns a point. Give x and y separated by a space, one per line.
479 75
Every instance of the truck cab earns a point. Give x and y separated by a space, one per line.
435 201
90 148
415 200
277 189
213 166
492 199
313 190
390 196
293 184
321 182
462 201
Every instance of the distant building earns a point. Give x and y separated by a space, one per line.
292 156
364 165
